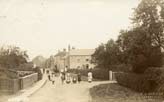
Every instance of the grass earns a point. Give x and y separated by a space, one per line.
117 93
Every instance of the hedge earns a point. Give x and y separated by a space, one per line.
157 74
101 74
139 83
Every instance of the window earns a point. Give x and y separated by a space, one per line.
87 60
87 66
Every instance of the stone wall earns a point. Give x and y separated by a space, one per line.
28 80
14 85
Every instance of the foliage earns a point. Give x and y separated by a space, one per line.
106 55
101 74
140 46
39 61
38 70
156 74
97 73
49 63
12 57
136 82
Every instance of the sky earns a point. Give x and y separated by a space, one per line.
42 27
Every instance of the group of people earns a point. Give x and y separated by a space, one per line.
51 76
66 77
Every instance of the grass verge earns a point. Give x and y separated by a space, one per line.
117 93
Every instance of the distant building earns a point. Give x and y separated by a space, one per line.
60 59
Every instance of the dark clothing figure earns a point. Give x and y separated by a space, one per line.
79 77
53 82
47 72
49 77
62 78
43 70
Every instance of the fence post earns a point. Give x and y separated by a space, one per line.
110 75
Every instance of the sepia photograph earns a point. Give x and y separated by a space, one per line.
81 50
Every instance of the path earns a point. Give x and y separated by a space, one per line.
64 93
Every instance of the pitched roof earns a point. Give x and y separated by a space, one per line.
61 54
82 52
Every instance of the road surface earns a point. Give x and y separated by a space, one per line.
64 93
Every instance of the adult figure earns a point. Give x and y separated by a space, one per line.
90 77
48 75
43 70
68 78
79 77
62 78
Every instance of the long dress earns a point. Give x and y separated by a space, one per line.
90 77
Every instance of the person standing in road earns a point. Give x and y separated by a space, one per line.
62 78
79 77
53 79
43 70
89 76
49 76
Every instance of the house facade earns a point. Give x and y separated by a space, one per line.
60 59
80 59
74 59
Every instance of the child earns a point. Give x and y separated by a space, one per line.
62 78
53 79
68 78
90 77
74 80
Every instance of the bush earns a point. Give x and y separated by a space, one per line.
83 72
37 70
135 82
121 67
156 74
102 74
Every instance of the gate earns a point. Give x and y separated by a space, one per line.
112 76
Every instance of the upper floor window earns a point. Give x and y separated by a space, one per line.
87 60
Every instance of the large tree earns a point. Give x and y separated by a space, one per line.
12 57
39 61
142 44
106 55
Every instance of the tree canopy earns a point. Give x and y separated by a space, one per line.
142 44
12 57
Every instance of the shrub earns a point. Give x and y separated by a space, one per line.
83 72
121 67
156 74
102 74
37 70
135 82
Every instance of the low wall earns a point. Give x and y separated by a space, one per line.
9 85
14 85
28 80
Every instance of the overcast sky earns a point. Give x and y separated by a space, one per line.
44 26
